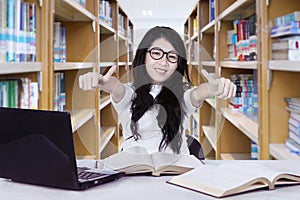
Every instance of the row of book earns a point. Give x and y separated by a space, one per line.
293 140
242 40
19 93
122 23
59 92
17 31
59 52
286 35
105 12
246 100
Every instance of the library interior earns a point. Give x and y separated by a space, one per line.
45 46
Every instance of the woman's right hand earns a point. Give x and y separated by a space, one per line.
93 80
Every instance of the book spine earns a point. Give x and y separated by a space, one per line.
28 57
22 44
32 32
254 151
10 55
56 41
17 29
34 95
3 45
62 46
62 93
211 10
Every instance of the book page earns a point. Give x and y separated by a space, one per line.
164 162
127 162
271 172
219 181
289 171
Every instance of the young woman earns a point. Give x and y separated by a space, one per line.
154 109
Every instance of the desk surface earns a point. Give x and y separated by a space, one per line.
133 187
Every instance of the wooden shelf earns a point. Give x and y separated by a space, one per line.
69 10
209 28
211 102
238 10
80 117
107 64
239 64
195 37
106 134
211 135
85 157
21 67
236 156
284 65
73 65
122 37
104 102
105 28
281 152
243 123
195 63
122 63
208 63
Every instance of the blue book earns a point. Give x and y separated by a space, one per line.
285 32
22 56
10 23
211 10
293 24
32 30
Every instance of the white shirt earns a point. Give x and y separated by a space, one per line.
147 125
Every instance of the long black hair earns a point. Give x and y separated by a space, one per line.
170 115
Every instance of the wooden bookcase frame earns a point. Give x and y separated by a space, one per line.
223 133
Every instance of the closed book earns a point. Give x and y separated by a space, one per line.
294 16
294 136
286 44
292 145
293 55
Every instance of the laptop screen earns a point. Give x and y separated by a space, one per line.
52 125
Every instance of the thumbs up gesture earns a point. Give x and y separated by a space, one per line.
93 80
222 88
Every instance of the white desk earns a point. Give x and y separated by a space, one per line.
133 187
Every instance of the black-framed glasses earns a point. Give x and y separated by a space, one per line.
157 53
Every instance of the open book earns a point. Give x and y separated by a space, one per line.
237 177
137 160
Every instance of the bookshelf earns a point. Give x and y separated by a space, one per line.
100 29
226 133
32 65
92 37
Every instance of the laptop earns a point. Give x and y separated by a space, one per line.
36 147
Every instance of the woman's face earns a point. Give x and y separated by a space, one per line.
161 69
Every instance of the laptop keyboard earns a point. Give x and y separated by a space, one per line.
85 175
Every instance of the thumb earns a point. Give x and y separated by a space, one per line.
207 76
107 76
